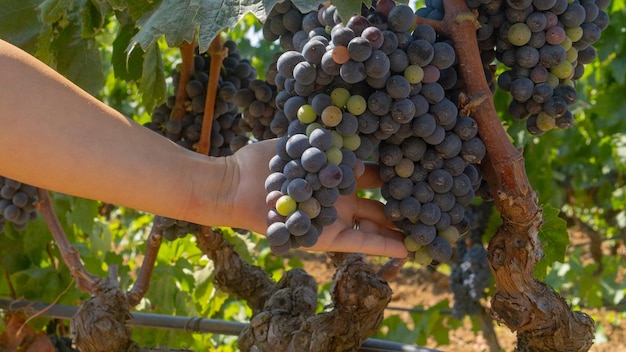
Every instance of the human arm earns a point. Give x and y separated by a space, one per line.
56 136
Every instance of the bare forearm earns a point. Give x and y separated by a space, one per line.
56 136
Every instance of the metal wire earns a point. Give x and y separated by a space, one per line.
187 324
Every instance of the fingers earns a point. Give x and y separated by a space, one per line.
373 210
360 241
368 226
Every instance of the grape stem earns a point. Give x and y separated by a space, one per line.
142 284
187 68
84 280
218 54
391 268
542 318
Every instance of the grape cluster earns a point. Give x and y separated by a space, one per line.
238 89
257 101
17 203
469 280
433 9
172 229
229 130
371 89
545 44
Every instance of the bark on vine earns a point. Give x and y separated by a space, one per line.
542 318
284 313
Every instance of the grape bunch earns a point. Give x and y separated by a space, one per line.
257 101
17 203
238 88
469 280
172 229
229 130
372 90
545 44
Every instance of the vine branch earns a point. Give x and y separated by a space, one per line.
142 284
187 51
542 318
218 54
84 280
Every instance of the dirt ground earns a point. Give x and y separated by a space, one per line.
420 286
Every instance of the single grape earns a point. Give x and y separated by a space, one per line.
313 159
298 223
400 188
356 104
330 175
439 249
410 207
423 234
285 205
429 213
277 234
326 196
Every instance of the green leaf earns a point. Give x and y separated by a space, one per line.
19 24
52 10
178 20
93 16
126 66
555 239
79 59
152 85
397 330
82 214
348 8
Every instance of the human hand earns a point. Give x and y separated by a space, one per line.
374 235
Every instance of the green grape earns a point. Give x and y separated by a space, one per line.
450 234
404 168
334 155
563 70
285 205
352 142
306 114
356 105
574 33
567 43
310 207
410 244
553 80
545 122
331 116
337 139
312 127
422 257
414 74
519 34
571 55
339 97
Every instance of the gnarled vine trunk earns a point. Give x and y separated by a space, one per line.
542 318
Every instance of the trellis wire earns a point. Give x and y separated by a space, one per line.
187 324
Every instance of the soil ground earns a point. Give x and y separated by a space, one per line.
419 286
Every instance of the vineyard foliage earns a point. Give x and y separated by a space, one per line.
124 51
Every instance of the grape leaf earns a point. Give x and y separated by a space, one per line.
178 20
52 10
554 237
19 24
93 17
152 85
79 59
126 67
348 8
